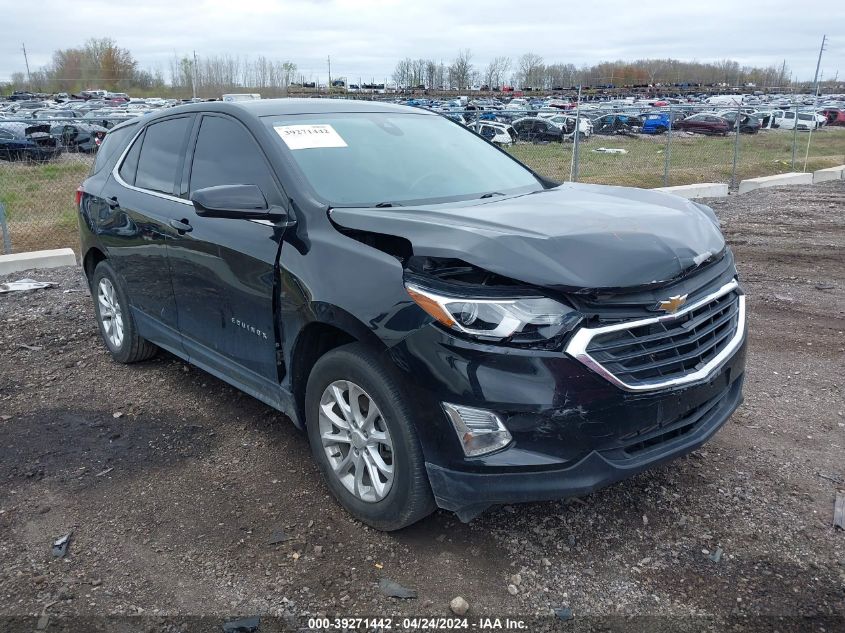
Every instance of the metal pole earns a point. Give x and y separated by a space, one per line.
573 176
815 102
7 240
667 158
794 137
194 76
734 181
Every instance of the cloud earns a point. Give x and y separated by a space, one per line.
365 38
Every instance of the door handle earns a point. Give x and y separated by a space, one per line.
183 226
112 202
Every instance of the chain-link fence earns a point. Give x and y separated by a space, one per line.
42 162
674 145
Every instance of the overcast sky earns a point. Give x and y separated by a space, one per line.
365 38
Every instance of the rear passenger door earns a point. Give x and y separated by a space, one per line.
223 270
138 202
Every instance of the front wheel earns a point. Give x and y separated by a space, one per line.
362 436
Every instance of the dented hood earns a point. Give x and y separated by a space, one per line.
574 236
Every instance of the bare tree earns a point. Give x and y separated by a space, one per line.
460 70
496 71
531 71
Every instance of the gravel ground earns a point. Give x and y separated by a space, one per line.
173 484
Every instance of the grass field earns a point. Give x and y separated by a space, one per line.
39 198
692 158
39 203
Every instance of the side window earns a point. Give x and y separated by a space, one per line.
227 154
130 163
114 142
161 155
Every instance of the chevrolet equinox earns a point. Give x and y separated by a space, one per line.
449 328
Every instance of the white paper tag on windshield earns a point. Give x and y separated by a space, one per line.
309 136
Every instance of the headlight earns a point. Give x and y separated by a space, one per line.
521 320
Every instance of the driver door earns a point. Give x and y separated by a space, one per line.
223 270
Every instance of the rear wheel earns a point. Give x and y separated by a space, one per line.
117 327
364 441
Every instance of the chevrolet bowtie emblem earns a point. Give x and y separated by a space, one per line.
672 304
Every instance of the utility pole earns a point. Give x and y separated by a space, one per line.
26 60
194 75
329 59
815 101
818 64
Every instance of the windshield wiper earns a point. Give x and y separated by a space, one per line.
491 194
385 205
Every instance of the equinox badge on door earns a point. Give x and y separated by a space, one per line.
249 328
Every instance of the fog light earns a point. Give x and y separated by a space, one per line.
479 431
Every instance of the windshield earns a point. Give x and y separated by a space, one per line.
365 159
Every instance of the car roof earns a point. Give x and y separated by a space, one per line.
272 107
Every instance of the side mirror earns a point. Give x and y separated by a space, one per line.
245 202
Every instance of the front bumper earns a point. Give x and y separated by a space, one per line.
573 430
470 493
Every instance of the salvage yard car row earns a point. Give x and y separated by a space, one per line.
39 127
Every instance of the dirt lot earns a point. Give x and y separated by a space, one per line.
173 483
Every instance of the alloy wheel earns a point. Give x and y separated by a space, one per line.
356 441
111 314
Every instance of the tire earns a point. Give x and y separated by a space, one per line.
407 498
129 347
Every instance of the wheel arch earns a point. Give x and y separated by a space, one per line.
313 341
89 262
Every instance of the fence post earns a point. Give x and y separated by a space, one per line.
794 137
576 154
668 152
7 240
736 144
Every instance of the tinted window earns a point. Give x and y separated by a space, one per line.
226 154
114 142
357 159
161 155
130 163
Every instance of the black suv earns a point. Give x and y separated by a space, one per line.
451 329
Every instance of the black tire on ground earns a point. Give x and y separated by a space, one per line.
660 129
133 348
409 498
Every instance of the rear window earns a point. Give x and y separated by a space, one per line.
111 146
161 155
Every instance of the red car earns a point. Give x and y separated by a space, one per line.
704 124
834 116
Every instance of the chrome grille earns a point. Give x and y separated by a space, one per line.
666 350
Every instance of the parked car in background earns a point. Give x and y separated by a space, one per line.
704 124
659 122
566 122
19 141
748 124
834 116
495 132
535 129
616 124
786 119
78 136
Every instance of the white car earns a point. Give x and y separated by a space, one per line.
785 119
567 123
495 132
